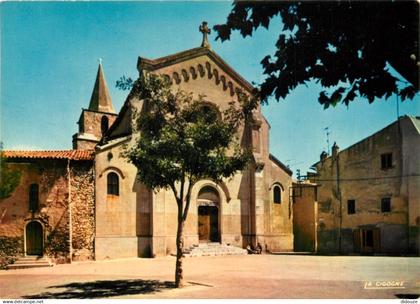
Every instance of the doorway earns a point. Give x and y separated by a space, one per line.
208 215
208 224
367 240
34 239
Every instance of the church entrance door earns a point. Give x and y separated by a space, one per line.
208 224
34 239
208 203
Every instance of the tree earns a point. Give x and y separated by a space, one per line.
345 45
182 140
9 178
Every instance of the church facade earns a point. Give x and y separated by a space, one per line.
109 214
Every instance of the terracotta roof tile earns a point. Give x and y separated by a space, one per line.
63 154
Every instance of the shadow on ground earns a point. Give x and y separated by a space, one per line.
104 289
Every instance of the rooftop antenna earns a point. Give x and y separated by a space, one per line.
327 133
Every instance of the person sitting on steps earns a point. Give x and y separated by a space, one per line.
251 250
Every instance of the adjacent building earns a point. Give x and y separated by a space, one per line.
369 194
51 212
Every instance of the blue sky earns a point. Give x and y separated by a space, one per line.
49 59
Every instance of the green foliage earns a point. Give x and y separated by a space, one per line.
183 138
57 244
10 249
124 83
9 178
345 45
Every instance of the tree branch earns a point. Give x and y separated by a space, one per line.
188 198
174 191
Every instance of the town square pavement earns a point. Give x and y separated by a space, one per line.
250 276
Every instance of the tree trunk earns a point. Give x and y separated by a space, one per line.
179 275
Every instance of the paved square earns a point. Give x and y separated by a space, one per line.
250 276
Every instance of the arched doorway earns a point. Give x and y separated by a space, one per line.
34 239
208 215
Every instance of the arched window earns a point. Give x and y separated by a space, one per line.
208 112
104 124
112 184
33 197
277 195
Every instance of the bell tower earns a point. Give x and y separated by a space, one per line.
95 121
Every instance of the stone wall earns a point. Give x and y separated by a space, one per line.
10 249
82 202
356 174
411 185
276 231
90 122
53 214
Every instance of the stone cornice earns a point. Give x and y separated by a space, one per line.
199 70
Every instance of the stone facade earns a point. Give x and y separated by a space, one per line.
369 193
51 210
92 126
93 207
82 193
144 222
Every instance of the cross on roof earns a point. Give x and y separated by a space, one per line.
205 30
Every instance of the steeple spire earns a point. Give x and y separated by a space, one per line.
101 100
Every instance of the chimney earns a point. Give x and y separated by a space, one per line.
335 150
323 156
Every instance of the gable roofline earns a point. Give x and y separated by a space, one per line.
158 63
415 120
125 107
280 164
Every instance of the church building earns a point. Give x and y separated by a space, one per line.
92 196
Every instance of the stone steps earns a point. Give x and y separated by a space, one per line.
213 249
29 262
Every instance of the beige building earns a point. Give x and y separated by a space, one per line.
132 221
103 212
305 215
369 194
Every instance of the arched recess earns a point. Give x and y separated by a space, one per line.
276 183
276 193
212 108
221 188
33 197
208 214
104 124
209 198
34 238
113 183
112 168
